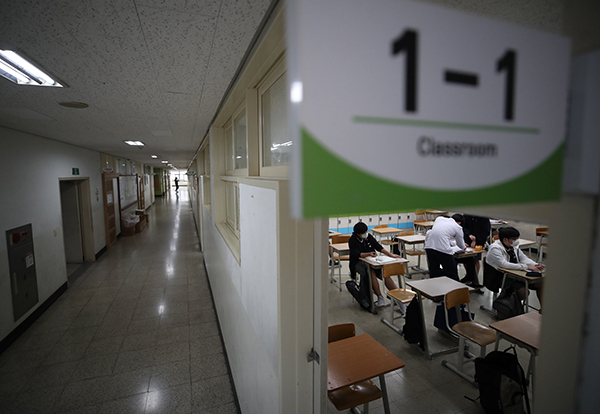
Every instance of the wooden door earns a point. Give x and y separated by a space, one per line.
110 196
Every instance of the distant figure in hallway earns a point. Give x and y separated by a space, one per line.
176 184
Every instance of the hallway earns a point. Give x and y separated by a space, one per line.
136 333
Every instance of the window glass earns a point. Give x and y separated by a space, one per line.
233 211
240 149
276 144
228 148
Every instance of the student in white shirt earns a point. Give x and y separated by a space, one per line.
505 253
440 257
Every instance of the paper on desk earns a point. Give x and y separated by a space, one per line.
384 259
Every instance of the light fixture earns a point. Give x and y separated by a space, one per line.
135 143
165 162
296 92
22 72
154 156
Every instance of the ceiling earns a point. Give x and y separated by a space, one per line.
150 70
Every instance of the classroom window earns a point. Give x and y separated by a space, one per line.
232 195
276 143
240 139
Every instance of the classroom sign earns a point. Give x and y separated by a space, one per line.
399 104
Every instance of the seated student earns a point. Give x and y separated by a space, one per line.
362 244
505 253
438 247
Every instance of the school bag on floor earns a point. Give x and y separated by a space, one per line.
360 292
502 383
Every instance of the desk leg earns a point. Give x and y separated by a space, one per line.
386 401
373 311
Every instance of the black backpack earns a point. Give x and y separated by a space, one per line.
502 383
413 328
360 292
508 304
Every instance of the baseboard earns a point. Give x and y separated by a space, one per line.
18 331
101 252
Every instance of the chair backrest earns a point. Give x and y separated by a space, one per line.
340 239
457 297
393 269
381 226
538 229
341 331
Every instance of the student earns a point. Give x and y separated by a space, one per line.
438 246
362 244
176 184
477 231
505 253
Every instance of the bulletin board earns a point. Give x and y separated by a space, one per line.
128 191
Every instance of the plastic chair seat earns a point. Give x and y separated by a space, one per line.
475 332
402 295
354 395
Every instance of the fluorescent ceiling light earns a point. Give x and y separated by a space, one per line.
18 70
165 162
154 156
135 143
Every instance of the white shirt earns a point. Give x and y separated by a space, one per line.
443 231
497 256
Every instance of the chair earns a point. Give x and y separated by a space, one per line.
540 234
357 394
336 259
400 295
413 251
475 332
386 242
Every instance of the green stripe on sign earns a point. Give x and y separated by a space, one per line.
442 124
332 187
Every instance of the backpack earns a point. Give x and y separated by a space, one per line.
502 383
413 328
360 292
508 304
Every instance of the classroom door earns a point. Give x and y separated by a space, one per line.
71 219
110 196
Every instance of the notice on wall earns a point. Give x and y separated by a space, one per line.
402 105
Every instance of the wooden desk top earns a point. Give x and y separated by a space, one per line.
524 328
387 230
526 243
424 223
376 262
432 211
357 359
543 232
435 288
520 273
412 239
334 233
340 247
498 222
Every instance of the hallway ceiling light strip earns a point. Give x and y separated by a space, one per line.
17 69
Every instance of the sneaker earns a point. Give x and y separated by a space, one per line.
381 302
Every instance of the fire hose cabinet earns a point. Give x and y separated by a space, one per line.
21 263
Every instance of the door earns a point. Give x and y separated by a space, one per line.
110 196
71 219
141 192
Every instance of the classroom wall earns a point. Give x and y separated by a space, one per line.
30 194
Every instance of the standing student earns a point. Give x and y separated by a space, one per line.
362 244
438 246
176 184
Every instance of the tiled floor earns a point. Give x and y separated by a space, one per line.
422 386
136 333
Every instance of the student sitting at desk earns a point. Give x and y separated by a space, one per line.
362 244
505 253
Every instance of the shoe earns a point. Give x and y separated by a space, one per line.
381 302
476 285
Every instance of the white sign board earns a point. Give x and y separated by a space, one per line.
407 105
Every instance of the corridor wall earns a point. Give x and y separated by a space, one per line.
31 195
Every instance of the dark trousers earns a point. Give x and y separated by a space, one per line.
469 263
441 264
